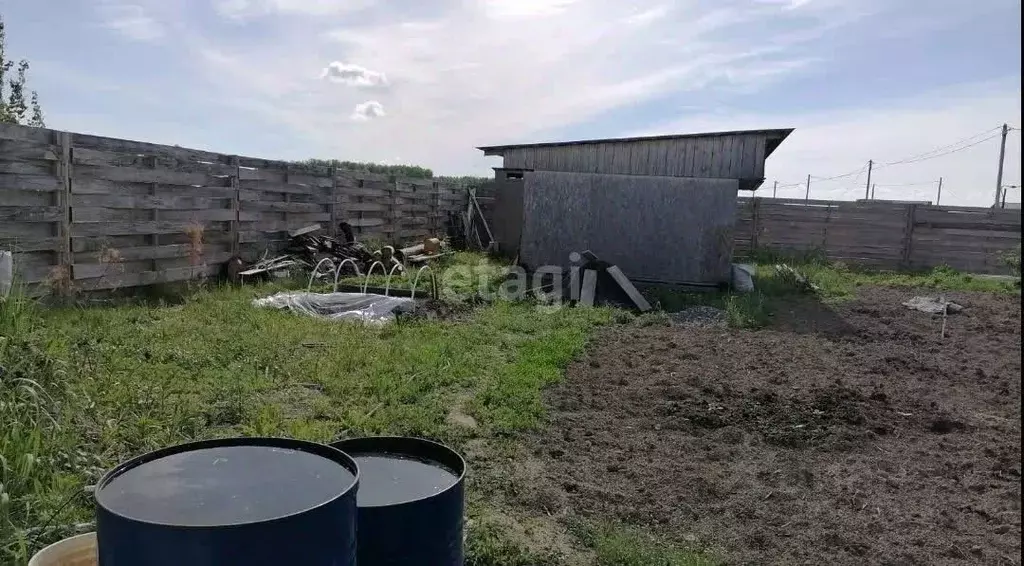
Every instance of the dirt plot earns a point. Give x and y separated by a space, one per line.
845 435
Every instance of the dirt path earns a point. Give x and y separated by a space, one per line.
853 436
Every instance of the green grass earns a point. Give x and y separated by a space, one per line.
620 545
85 388
834 282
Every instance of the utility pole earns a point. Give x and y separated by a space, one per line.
872 191
867 185
775 189
807 195
999 175
938 197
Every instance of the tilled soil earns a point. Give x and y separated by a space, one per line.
853 435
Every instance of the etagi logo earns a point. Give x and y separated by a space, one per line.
550 285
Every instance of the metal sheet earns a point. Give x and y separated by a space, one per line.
655 228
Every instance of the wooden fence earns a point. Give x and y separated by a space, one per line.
91 212
881 235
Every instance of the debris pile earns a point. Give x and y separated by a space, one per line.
311 248
795 279
308 247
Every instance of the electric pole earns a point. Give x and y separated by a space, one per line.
872 191
807 195
938 197
867 186
775 189
999 175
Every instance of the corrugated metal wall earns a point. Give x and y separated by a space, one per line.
677 230
734 156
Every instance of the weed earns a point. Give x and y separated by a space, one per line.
1011 259
488 544
619 545
748 310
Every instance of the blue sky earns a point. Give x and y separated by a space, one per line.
425 81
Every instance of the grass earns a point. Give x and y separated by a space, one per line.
85 388
834 282
626 546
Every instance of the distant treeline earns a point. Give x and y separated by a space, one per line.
407 171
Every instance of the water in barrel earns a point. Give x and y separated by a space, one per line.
390 479
257 502
410 501
224 486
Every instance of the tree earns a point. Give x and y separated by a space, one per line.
409 171
14 108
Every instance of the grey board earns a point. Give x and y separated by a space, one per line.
666 229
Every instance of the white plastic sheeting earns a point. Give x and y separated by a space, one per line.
368 308
933 305
743 277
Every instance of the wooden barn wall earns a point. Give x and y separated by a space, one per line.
666 229
87 212
727 157
881 235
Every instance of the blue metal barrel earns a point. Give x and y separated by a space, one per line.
411 501
244 501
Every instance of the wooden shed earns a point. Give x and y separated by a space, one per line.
661 207
716 155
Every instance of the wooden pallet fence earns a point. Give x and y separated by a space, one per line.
881 235
95 213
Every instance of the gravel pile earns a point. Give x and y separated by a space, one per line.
699 316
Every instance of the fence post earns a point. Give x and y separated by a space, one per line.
154 215
65 259
435 209
908 235
393 210
236 205
824 233
333 230
754 219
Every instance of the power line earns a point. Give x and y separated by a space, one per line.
952 151
858 172
906 184
935 153
915 158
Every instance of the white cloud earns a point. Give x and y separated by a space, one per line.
353 75
502 9
130 20
469 75
368 110
242 9
462 73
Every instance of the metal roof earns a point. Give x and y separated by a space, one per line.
775 137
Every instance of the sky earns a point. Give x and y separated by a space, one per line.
425 82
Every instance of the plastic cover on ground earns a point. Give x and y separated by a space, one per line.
363 307
743 277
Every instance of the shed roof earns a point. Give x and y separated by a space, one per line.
774 138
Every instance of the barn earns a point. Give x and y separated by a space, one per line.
662 207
